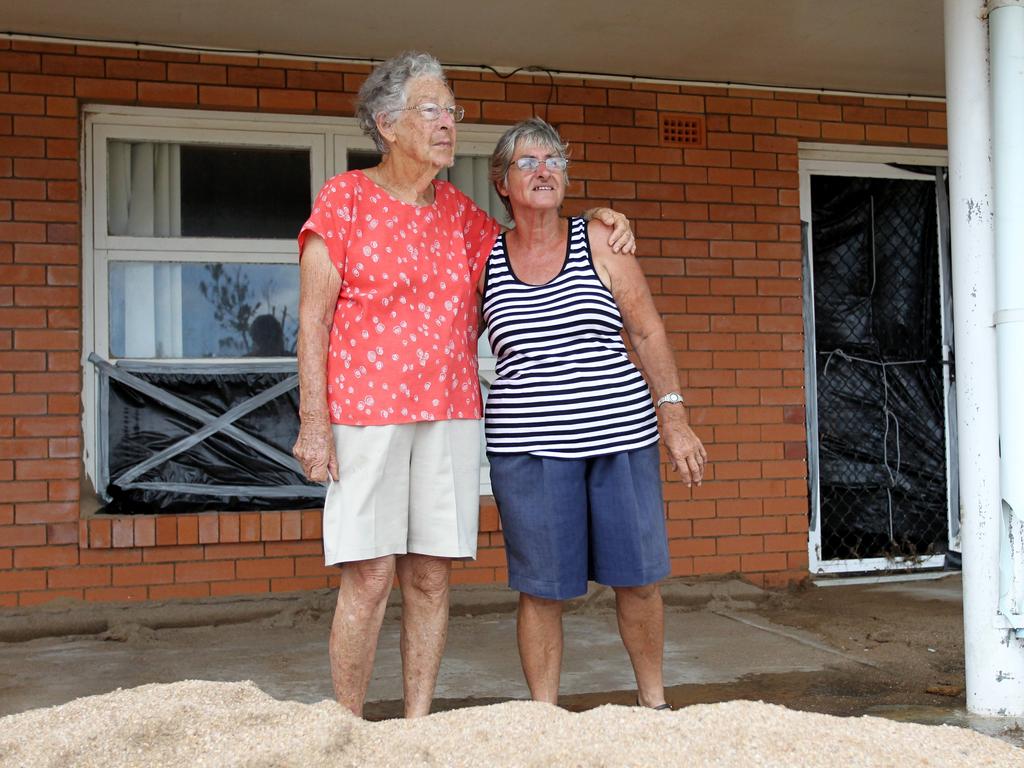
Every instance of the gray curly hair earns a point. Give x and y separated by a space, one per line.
533 132
384 90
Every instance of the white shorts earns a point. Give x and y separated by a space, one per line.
404 488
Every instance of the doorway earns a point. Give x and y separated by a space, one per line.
879 364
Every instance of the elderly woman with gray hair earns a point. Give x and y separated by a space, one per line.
389 396
572 431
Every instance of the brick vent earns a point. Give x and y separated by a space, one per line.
684 130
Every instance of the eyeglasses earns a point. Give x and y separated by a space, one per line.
432 112
531 164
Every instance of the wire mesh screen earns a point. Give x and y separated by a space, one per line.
881 422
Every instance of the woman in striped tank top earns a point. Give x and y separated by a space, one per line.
572 433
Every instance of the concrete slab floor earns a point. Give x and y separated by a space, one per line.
721 643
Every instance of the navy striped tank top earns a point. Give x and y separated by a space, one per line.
564 385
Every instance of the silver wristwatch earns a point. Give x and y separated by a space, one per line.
671 397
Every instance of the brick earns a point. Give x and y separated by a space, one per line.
35 469
312 566
229 527
22 189
197 73
249 526
46 556
785 542
38 168
105 90
85 66
166 531
109 556
64 490
135 575
49 382
122 532
15 405
270 526
173 554
15 581
274 100
238 98
24 491
716 565
188 529
128 69
291 525
233 551
292 548
173 94
93 576
265 568
100 533
46 426
49 512
62 533
256 76
217 570
29 296
23 535
208 528
763 562
672 102
740 545
30 232
145 531
45 127
691 547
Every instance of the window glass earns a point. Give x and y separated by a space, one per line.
206 190
168 310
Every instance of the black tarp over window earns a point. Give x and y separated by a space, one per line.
882 454
216 473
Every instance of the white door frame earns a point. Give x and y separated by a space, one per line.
863 162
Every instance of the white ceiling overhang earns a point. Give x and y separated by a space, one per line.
864 46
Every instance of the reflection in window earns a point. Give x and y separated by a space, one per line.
167 310
206 190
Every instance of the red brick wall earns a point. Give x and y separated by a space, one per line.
719 239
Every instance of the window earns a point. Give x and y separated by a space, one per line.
189 251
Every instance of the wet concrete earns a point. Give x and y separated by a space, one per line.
724 641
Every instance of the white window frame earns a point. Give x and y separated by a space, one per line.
864 162
327 139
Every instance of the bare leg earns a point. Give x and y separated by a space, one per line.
362 598
539 631
424 582
641 618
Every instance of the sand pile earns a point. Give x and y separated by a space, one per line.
235 724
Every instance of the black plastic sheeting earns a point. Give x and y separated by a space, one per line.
881 412
140 427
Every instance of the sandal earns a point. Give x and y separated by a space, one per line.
660 707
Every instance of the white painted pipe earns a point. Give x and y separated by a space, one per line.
1006 48
988 654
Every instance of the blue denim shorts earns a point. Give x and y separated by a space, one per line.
567 521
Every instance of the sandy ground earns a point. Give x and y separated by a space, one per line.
235 724
911 643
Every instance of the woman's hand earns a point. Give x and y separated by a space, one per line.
621 240
685 450
314 449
